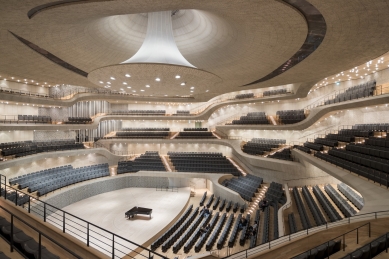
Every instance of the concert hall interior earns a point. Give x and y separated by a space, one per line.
194 129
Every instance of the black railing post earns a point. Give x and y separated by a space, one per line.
40 246
29 204
44 212
344 242
369 230
113 246
16 198
63 221
12 233
357 236
87 234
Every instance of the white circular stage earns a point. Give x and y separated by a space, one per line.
107 211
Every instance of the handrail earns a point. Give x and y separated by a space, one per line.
62 217
344 239
287 238
378 91
40 235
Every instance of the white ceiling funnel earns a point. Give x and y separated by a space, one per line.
159 45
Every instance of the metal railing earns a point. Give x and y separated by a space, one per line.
42 238
379 90
342 238
92 235
71 93
287 238
166 188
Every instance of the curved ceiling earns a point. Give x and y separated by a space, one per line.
237 41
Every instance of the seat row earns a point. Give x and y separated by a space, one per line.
172 229
376 151
350 194
140 134
225 232
301 209
197 233
195 129
342 138
372 174
194 154
55 178
150 161
268 141
34 149
313 207
379 142
373 162
374 248
292 223
195 134
138 112
323 251
275 92
24 243
181 229
326 142
34 118
372 126
243 96
275 193
145 129
205 236
314 146
284 154
266 225
215 233
187 234
329 209
302 148
341 203
78 120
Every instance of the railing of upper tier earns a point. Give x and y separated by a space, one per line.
329 130
90 234
257 95
379 90
14 119
17 223
287 238
71 93
342 239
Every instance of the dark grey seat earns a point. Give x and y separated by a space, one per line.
31 246
357 254
3 256
20 237
45 254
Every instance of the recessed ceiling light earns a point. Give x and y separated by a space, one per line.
192 87
207 91
109 83
177 76
127 75
191 91
182 83
128 87
165 94
147 86
101 82
134 91
157 79
112 78
142 90
121 89
124 83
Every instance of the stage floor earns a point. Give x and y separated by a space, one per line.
107 211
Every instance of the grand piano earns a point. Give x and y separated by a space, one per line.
137 210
